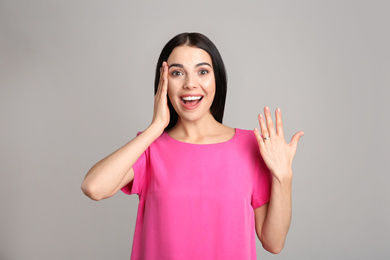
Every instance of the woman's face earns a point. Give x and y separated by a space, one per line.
191 82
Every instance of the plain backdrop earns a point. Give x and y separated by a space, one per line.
76 81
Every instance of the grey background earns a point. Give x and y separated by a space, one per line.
76 84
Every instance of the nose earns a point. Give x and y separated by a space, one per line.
190 82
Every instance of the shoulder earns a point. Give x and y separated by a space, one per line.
244 131
247 139
245 134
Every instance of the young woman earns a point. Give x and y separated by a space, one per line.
204 188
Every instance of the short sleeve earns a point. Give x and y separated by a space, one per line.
261 182
262 186
140 171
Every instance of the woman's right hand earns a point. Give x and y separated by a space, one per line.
112 173
161 111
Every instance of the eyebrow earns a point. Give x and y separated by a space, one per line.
181 66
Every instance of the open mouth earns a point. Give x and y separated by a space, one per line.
191 100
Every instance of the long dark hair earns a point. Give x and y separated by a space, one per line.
200 41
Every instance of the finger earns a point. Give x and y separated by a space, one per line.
160 82
295 139
263 127
279 123
270 124
259 138
165 79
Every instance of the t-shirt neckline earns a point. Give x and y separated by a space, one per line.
220 143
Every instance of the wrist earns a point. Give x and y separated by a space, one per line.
155 129
282 177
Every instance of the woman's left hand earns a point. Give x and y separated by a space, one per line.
276 153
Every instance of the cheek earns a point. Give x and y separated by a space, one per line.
172 93
171 88
211 86
170 96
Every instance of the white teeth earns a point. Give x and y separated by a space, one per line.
191 98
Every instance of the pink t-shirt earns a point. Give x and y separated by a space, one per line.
197 201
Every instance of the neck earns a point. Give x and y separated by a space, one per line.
194 131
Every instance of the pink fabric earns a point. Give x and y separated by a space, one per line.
197 201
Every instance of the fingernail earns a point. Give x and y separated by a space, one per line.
278 109
267 108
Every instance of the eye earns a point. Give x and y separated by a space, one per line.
203 72
176 73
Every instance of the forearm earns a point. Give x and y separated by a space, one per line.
105 176
278 219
